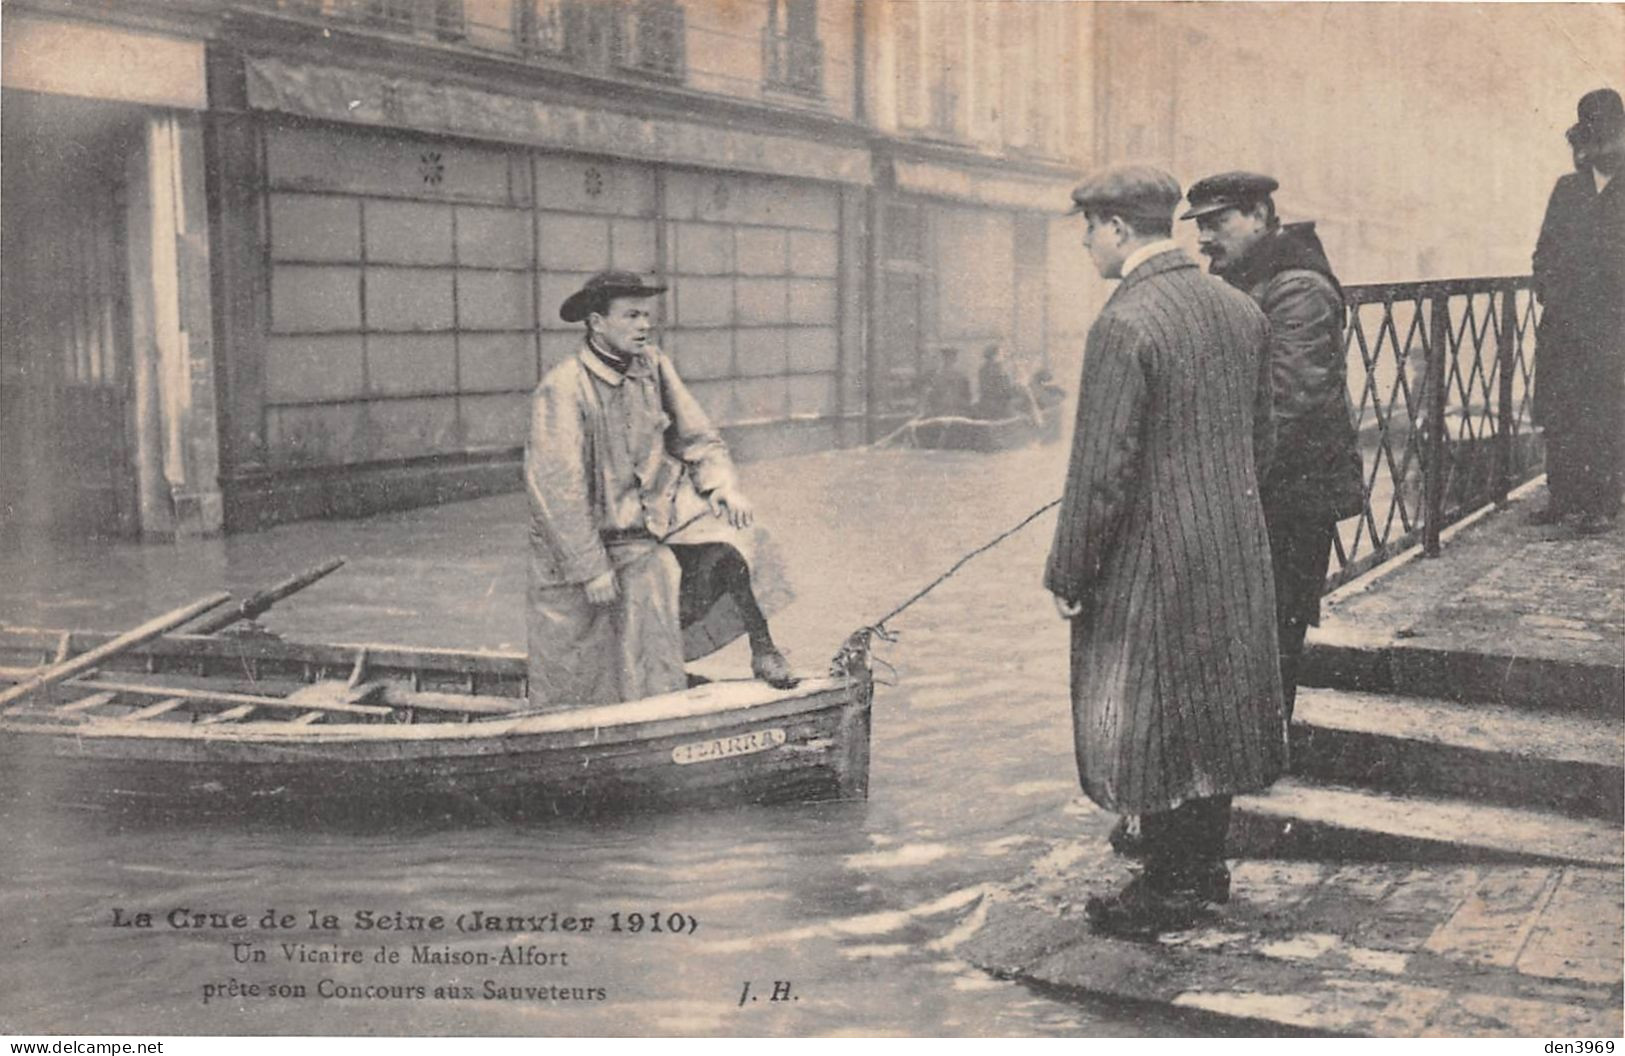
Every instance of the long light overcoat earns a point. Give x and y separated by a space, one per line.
1176 685
605 459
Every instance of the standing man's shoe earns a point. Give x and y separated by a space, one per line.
1212 884
1594 524
1140 911
771 667
1125 837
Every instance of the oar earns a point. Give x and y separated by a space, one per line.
255 604
65 670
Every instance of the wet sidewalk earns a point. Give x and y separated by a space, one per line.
1510 612
1370 949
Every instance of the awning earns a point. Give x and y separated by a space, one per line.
380 100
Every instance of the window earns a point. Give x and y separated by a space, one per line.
439 18
655 41
642 35
792 55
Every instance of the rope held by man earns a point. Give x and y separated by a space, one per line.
879 626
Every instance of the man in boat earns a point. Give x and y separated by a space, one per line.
615 439
1176 680
1315 479
996 389
1045 392
947 392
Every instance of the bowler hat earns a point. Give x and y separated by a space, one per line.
602 288
1601 115
1130 191
1228 190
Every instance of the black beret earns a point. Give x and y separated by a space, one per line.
600 290
1228 190
1129 191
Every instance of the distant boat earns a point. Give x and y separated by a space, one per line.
252 723
1039 426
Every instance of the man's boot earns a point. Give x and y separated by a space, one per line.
769 665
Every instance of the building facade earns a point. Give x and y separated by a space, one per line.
386 200
277 259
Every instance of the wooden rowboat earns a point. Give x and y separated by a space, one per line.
253 723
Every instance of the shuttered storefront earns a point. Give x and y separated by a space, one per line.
402 321
753 261
414 286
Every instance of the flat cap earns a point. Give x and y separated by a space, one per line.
1601 115
1129 191
602 288
1227 190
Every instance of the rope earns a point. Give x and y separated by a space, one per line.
913 425
879 626
859 639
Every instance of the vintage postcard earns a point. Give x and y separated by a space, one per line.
789 518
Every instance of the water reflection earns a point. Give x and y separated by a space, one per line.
854 905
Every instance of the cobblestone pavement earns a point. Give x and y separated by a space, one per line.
1383 949
1500 585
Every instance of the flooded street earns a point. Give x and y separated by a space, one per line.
972 779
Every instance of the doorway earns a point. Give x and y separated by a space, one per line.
66 432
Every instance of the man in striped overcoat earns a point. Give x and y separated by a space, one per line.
1161 559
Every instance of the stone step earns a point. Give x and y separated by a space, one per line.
1487 753
1494 675
1297 819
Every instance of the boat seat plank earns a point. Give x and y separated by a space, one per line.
456 703
241 711
95 700
336 695
215 697
152 711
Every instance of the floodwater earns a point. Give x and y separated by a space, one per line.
847 911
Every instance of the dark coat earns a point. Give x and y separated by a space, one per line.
1176 686
1595 414
1562 267
1316 475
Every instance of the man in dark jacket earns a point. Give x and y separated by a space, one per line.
1579 270
1559 271
1316 478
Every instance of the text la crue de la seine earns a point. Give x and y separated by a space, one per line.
374 921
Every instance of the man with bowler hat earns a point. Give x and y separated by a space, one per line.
1579 278
1161 558
615 439
1315 479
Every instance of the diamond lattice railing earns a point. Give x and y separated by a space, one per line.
1485 330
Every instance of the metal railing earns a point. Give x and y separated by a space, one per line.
1440 376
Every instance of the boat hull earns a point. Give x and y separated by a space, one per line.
1005 434
722 743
